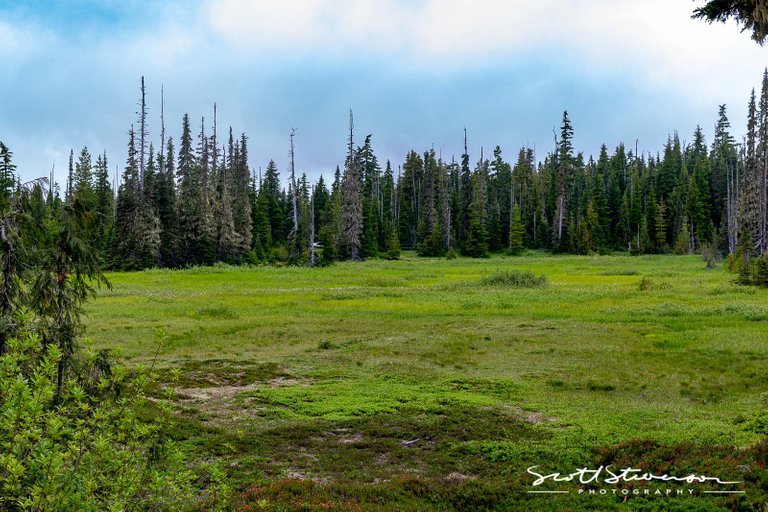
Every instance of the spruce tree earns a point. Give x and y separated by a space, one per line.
516 232
683 241
196 239
7 177
165 200
241 204
105 207
476 244
393 246
137 229
661 227
564 178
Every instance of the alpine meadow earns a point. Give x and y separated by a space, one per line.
534 329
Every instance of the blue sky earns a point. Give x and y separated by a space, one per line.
415 73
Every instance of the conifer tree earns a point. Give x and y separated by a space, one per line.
196 229
165 200
228 241
752 15
465 193
105 205
137 229
7 177
476 244
393 246
564 176
762 157
241 204
82 187
516 232
351 201
661 227
683 241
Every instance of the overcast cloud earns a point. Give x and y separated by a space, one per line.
414 72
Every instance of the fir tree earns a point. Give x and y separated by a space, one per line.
476 244
105 206
683 241
393 246
516 232
7 177
661 227
165 200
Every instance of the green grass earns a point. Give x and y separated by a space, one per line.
433 384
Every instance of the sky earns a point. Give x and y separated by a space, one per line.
415 73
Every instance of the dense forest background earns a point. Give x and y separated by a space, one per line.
197 201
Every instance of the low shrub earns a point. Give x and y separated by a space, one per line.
515 279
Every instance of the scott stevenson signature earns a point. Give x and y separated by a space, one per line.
605 475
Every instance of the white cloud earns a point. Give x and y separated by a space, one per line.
17 43
654 41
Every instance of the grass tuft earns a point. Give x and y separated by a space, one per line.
515 279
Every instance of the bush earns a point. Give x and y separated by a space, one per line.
86 449
515 279
761 270
393 246
648 284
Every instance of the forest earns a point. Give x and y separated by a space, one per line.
202 203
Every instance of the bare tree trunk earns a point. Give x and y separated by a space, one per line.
142 135
764 203
294 202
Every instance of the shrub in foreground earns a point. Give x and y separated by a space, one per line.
86 448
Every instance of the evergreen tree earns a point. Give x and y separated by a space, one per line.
683 241
196 230
476 244
352 201
241 204
83 187
661 227
516 232
137 229
393 246
165 200
752 15
465 193
7 177
564 178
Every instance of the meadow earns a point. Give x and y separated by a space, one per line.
432 384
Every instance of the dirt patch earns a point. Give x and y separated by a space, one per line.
225 404
532 418
214 394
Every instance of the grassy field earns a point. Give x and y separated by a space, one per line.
421 385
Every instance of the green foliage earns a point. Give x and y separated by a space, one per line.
88 449
476 245
515 279
682 243
710 254
752 15
648 284
393 246
500 377
516 232
761 270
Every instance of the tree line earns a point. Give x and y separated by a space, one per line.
201 204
